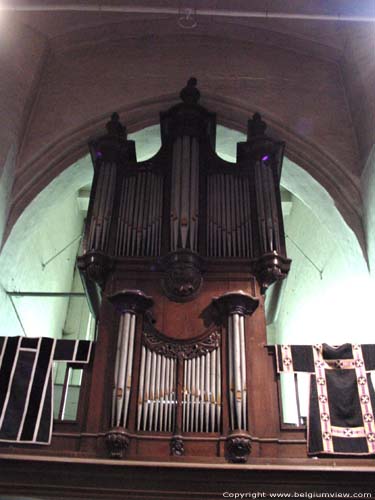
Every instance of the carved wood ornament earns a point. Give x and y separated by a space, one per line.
159 343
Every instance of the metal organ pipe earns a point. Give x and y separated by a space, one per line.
231 377
101 193
123 370
189 395
198 393
141 387
207 393
184 398
231 180
247 218
213 388
195 187
135 222
273 202
261 209
106 208
120 382
228 216
152 390
140 215
243 371
167 398
157 392
159 212
129 367
237 372
162 392
150 235
176 186
218 389
102 208
209 219
185 190
202 393
116 376
131 215
173 395
193 390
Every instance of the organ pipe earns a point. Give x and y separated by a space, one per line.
185 189
228 216
202 393
237 372
140 213
157 392
233 307
123 370
102 208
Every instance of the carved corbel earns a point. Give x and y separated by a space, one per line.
117 442
183 275
177 446
238 447
269 268
96 266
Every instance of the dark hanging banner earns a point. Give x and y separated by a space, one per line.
26 402
342 397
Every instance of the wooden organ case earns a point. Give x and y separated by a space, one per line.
178 252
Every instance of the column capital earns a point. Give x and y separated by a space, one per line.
237 302
133 301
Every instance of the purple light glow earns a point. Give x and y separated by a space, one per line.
99 154
265 158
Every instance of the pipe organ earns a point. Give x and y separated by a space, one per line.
178 253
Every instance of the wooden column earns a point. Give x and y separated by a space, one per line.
233 307
131 304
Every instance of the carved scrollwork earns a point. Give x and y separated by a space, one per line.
183 349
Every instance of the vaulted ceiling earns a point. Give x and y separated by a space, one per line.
335 30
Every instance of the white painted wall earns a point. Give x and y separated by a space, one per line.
50 223
326 296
